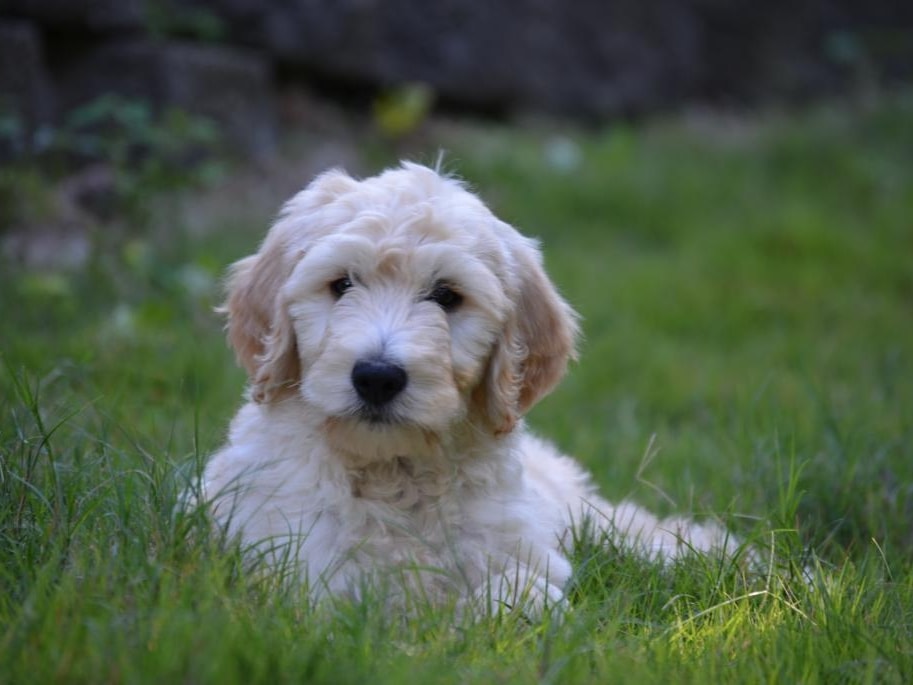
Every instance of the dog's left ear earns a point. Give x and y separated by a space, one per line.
537 343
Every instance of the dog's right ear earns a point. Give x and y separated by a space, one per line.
259 326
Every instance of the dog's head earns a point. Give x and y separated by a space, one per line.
397 307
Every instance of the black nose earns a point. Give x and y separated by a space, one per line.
378 382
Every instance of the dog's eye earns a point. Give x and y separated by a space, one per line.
340 285
446 297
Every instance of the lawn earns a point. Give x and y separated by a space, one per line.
746 288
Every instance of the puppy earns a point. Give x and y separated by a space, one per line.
395 332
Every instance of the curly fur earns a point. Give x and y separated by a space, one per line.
449 493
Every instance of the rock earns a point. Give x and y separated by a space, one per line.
590 58
599 59
25 94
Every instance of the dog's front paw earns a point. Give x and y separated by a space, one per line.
519 591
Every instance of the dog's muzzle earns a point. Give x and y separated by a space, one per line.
378 382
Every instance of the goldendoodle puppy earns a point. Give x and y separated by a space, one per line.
395 332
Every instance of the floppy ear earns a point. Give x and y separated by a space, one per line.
536 344
259 326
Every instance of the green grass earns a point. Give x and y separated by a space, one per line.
746 292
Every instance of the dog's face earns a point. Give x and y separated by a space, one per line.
396 308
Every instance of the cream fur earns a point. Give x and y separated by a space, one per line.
449 495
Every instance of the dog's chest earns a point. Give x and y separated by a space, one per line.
403 485
410 507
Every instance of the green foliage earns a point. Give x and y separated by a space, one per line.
402 110
745 291
146 153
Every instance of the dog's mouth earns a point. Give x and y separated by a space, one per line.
384 412
377 416
372 417
369 436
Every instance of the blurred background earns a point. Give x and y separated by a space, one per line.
724 189
245 71
234 60
136 84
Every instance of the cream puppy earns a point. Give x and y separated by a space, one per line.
395 332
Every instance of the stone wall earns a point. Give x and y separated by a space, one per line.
593 59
